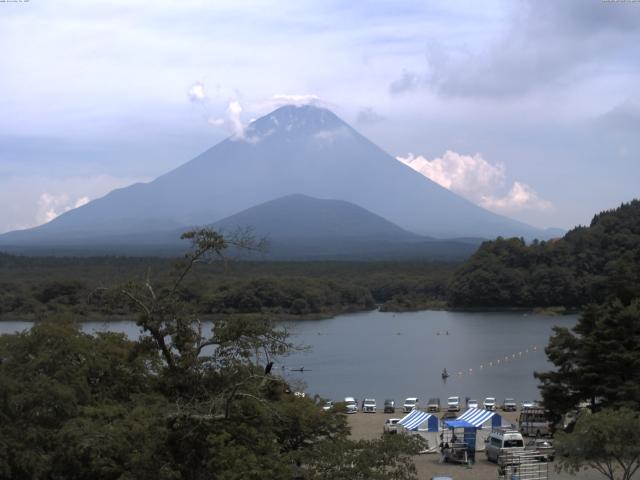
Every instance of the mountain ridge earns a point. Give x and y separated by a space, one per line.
303 149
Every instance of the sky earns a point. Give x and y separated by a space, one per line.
529 108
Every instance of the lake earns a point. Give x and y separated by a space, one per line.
397 355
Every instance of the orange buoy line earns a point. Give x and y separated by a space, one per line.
499 361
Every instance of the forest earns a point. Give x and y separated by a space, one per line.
33 288
589 264
179 403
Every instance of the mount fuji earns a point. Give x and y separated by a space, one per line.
293 150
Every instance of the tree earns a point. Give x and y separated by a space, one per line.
388 458
183 402
608 441
66 397
597 361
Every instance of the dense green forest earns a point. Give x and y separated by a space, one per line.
589 264
37 287
168 406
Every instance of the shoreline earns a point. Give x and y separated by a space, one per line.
93 317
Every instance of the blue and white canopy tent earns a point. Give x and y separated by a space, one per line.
424 424
476 424
418 420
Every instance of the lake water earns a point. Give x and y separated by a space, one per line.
397 355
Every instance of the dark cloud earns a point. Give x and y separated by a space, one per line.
368 116
546 43
408 82
622 118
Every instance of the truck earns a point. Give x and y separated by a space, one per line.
534 422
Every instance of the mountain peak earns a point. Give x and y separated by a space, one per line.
290 120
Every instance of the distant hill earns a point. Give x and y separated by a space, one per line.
306 150
296 227
587 265
301 216
302 227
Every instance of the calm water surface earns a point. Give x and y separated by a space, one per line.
396 355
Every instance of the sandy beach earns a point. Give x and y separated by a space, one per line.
370 425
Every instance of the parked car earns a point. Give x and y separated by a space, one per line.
351 404
528 404
545 451
410 403
328 405
471 403
453 404
509 405
369 405
389 406
391 425
489 403
502 440
433 405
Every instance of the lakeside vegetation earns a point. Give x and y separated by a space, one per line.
589 264
168 406
34 288
108 407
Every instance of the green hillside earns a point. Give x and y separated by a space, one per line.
589 264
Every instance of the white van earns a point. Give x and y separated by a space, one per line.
410 404
503 439
351 404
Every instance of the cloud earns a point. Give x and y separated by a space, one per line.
463 174
196 93
232 114
33 200
368 116
559 44
233 117
281 99
477 180
408 82
624 117
330 136
520 197
52 205
216 122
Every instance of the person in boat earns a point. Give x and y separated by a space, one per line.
444 373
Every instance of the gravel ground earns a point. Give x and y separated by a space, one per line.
369 426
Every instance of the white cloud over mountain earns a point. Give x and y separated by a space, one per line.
33 200
52 205
477 180
520 197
